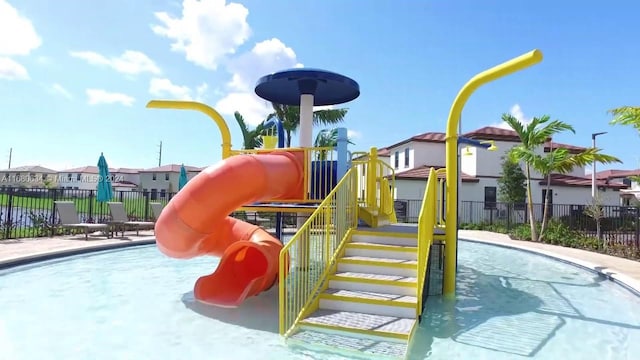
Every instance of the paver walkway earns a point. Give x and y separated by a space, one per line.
623 270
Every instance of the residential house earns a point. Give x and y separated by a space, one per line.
87 177
631 195
28 177
159 181
480 169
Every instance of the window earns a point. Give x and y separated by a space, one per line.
78 177
490 197
45 176
166 176
163 193
154 194
154 176
32 176
69 177
626 181
406 157
396 159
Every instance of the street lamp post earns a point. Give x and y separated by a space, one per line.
593 169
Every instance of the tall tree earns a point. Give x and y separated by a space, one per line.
290 117
512 182
562 162
251 139
531 136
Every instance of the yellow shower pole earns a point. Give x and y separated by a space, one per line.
451 144
207 110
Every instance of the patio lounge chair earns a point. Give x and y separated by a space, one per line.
69 219
156 209
120 219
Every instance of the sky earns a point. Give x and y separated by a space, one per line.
75 76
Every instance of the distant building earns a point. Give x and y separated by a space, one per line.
159 181
87 177
28 177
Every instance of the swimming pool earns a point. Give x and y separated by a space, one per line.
137 304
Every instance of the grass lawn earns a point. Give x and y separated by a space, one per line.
135 206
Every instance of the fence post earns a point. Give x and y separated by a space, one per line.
91 196
637 227
53 211
146 205
8 222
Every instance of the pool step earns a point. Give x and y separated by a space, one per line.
380 326
348 345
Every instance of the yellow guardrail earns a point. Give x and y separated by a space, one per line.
307 259
377 188
317 185
441 197
426 225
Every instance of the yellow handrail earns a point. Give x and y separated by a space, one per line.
426 225
451 159
307 259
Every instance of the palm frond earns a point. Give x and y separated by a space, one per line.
626 115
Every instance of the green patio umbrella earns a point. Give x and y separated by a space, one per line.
182 181
104 191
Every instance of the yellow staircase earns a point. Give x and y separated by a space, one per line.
356 289
368 305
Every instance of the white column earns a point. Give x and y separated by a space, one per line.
306 120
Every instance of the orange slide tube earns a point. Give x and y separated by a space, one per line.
195 223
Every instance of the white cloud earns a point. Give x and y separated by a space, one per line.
266 57
207 31
60 90
165 88
18 37
99 96
353 134
12 70
253 109
515 111
130 62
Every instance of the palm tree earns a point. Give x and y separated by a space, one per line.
251 139
562 162
290 117
630 116
326 138
531 137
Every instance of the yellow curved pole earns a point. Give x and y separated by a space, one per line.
207 110
451 144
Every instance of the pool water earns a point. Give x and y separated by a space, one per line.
137 304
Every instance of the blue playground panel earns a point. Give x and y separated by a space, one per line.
324 177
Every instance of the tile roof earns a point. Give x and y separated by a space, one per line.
579 181
434 137
171 168
555 145
30 168
84 170
422 173
613 174
493 133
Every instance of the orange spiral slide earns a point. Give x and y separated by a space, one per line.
195 223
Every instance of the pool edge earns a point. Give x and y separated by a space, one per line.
617 277
31 259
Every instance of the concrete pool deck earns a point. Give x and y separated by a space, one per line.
18 251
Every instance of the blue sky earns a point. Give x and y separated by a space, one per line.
75 77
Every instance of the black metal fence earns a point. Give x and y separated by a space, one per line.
618 224
31 212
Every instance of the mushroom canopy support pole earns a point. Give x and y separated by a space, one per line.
306 88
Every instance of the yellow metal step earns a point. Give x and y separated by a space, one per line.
366 297
377 279
382 247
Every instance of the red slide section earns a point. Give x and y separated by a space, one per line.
196 223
